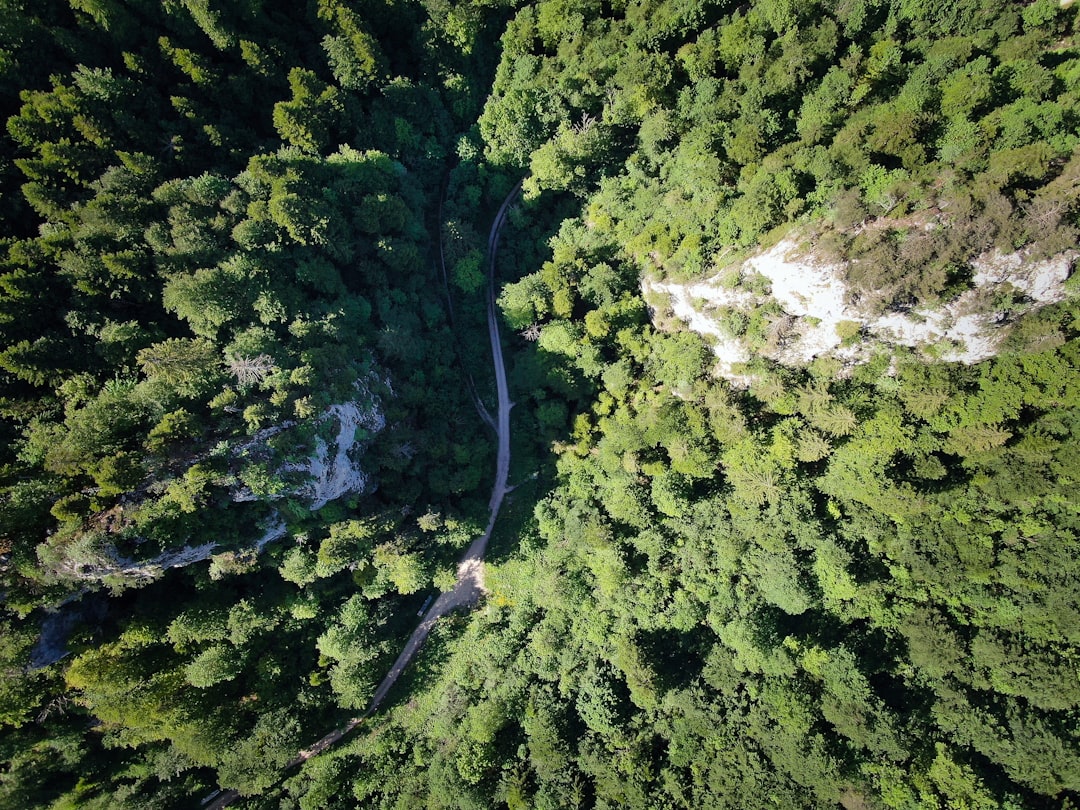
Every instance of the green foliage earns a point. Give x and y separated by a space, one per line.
354 55
406 571
221 230
817 592
254 764
311 115
185 365
213 665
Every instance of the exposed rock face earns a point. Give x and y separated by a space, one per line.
57 624
109 564
331 471
816 312
332 476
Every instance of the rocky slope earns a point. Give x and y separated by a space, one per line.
788 306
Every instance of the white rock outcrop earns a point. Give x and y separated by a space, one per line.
107 563
333 472
814 299
332 469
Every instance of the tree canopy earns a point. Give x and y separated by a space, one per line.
244 381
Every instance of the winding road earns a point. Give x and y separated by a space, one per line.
470 579
470 572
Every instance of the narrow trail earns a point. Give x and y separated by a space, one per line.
470 579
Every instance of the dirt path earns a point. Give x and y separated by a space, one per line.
470 580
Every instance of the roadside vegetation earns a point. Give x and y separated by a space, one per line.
826 589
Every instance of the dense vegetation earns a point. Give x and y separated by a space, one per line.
856 589
219 222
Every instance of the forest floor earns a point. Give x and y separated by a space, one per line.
470 573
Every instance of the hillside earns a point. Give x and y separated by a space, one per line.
801 309
788 497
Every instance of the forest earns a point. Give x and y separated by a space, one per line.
244 370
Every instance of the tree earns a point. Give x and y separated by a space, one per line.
255 761
188 366
213 665
407 571
354 55
314 112
570 160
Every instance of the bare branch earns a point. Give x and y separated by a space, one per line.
251 370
